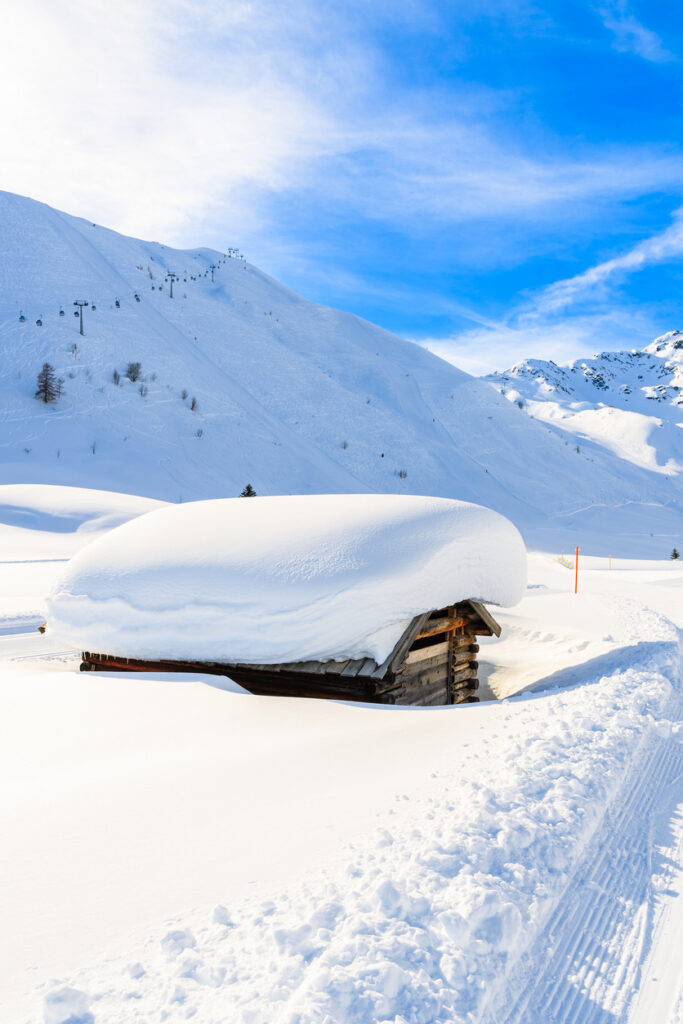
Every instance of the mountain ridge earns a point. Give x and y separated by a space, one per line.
627 401
290 396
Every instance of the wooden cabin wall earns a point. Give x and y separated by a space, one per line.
440 666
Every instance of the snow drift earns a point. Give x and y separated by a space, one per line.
281 579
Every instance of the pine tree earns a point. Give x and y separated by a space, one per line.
248 492
49 389
675 554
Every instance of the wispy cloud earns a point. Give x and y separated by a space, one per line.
164 119
152 116
666 245
632 37
569 318
484 350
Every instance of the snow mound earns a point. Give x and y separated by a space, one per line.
56 509
65 1005
279 579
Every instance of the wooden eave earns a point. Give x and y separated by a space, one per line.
471 613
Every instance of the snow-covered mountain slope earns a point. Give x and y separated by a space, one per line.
630 403
289 396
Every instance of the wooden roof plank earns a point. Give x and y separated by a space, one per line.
409 635
485 616
336 668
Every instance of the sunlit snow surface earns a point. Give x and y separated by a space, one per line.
283 578
176 849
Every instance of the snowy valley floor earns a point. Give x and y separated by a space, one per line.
172 849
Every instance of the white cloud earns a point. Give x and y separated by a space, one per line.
170 119
148 116
666 245
632 37
484 350
569 318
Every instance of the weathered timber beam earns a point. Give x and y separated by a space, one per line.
404 644
425 670
413 669
444 625
466 640
462 655
118 664
459 667
466 684
462 674
427 653
311 693
466 698
426 697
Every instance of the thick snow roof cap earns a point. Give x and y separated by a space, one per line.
281 579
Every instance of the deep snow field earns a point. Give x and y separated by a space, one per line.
178 849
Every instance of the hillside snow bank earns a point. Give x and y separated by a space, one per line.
283 579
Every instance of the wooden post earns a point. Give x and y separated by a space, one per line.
576 571
610 561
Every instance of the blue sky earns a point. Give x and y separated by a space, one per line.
494 179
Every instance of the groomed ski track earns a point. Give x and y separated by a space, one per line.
596 950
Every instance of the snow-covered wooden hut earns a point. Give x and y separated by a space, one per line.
433 662
375 598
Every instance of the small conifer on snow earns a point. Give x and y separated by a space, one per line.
49 388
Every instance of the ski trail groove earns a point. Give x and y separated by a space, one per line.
599 934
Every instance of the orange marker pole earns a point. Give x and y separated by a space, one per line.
576 571
610 561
